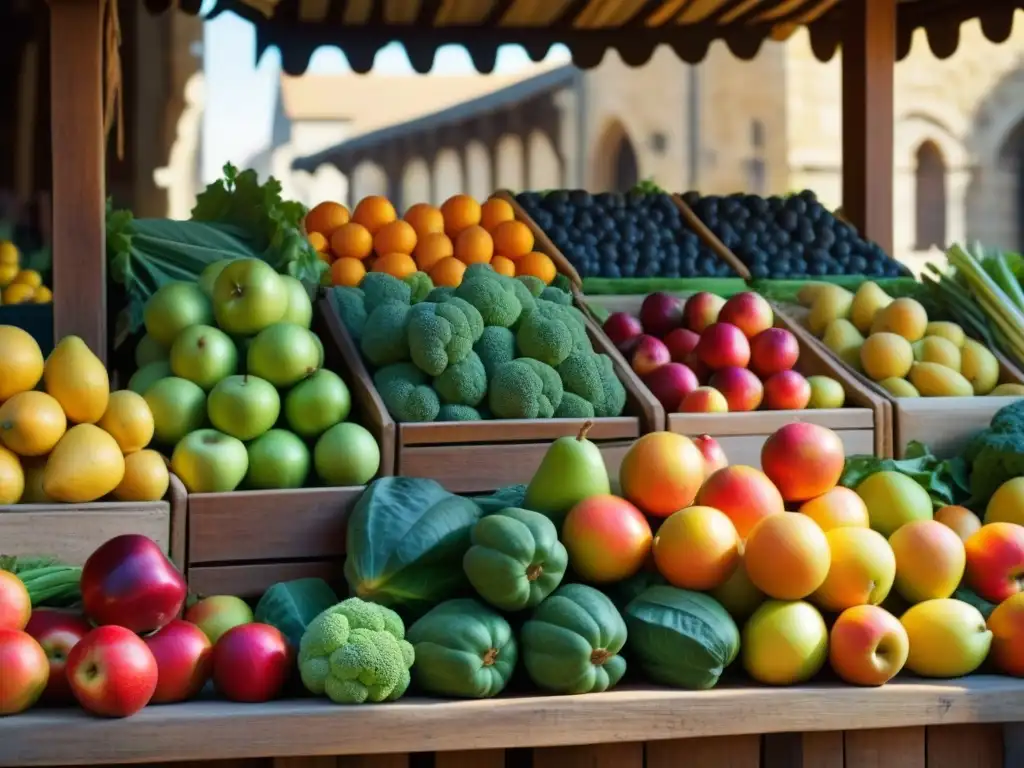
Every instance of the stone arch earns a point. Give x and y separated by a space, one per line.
1011 156
510 163
367 179
478 170
543 164
930 197
415 182
917 127
447 175
615 161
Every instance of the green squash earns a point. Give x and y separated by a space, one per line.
516 559
681 638
572 642
463 649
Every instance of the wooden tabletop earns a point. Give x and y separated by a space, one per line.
217 730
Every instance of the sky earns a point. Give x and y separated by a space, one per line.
240 93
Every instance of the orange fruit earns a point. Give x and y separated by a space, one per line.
425 219
319 242
431 248
460 212
448 272
395 264
697 548
474 245
352 241
787 556
326 217
374 212
838 508
494 212
504 266
512 239
396 237
537 264
347 271
861 571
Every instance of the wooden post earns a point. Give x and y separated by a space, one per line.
869 63
79 145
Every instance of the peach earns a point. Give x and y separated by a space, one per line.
1006 623
607 538
693 362
787 391
772 351
696 548
959 519
837 508
930 560
787 556
867 646
621 328
680 343
711 450
744 494
995 561
723 346
748 311
649 354
742 390
861 572
704 400
803 460
660 313
661 473
670 383
738 595
701 310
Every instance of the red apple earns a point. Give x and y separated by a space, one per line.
702 310
660 313
15 604
251 663
112 672
995 561
670 384
694 363
184 658
216 615
867 645
749 312
723 346
772 351
786 391
129 582
711 450
704 400
57 632
23 671
649 354
743 391
622 327
681 342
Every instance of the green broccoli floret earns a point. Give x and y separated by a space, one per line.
458 413
464 382
581 374
348 303
574 407
551 385
496 301
384 339
517 392
557 296
478 270
614 402
544 337
476 322
407 393
356 652
497 345
526 299
1009 418
562 283
440 335
440 293
573 319
379 287
420 286
533 284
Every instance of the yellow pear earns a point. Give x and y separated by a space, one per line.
979 366
829 305
146 477
934 380
868 299
78 380
1008 390
128 420
809 292
886 355
903 316
936 349
21 361
899 387
949 331
845 340
12 477
86 465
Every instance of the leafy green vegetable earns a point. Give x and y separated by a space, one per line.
996 454
971 598
945 480
509 496
292 605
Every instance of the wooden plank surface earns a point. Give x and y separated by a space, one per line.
218 730
473 433
965 746
944 424
620 755
720 752
251 581
481 758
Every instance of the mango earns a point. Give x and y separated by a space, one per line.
949 331
146 477
948 638
12 478
899 387
31 423
934 380
1008 390
845 341
128 420
1007 503
21 362
904 316
828 306
886 355
979 366
86 465
868 301
935 349
78 380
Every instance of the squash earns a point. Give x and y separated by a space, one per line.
572 642
516 559
681 638
463 648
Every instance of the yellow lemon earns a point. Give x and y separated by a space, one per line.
128 420
31 423
21 362
43 295
86 465
9 255
28 277
19 293
145 477
12 478
7 273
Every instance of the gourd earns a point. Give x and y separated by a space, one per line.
516 559
463 648
572 642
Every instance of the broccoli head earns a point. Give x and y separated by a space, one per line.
378 287
385 338
478 270
464 382
573 319
556 296
1009 418
420 286
574 407
458 413
592 377
533 284
526 299
614 402
495 300
544 337
407 393
440 335
562 283
551 385
356 652
517 392
496 345
348 303
440 293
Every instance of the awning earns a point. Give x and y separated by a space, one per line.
589 28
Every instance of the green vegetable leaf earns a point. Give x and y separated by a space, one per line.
503 498
970 597
292 605
945 480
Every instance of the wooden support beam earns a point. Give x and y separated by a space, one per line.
79 144
869 63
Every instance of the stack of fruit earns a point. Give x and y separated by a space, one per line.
235 352
17 285
893 343
437 242
708 355
103 451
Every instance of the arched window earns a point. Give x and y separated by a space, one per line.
626 168
757 167
1013 151
930 198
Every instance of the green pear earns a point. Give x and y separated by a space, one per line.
571 470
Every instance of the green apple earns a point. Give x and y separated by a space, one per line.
244 406
248 295
178 406
208 461
173 308
346 454
300 308
277 459
216 615
284 354
149 350
825 392
203 354
208 277
317 403
148 375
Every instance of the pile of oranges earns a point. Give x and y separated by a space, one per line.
439 241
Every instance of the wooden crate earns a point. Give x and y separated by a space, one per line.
72 532
863 424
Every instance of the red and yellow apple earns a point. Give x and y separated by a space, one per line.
861 571
57 632
803 460
772 351
786 391
787 556
251 663
697 548
714 457
702 310
649 354
680 342
217 614
930 560
995 561
837 508
744 494
742 390
704 400
24 670
670 383
867 645
607 538
748 311
112 672
960 519
1006 623
184 659
661 473
15 604
723 345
